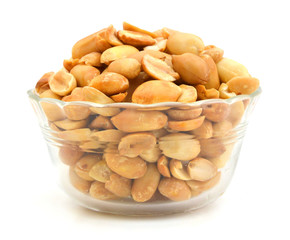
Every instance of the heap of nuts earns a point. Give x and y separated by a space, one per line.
153 153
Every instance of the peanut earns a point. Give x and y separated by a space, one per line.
243 85
118 185
174 189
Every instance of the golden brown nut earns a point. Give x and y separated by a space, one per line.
110 83
120 97
179 43
98 190
42 84
204 131
221 129
76 135
132 145
117 52
212 147
160 45
111 36
236 112
109 135
191 68
136 39
163 167
128 67
143 188
101 122
151 155
213 51
156 91
201 169
176 137
186 125
216 112
91 59
243 85
188 94
158 69
186 114
131 120
178 170
203 93
100 171
92 146
228 69
221 160
174 189
118 185
156 54
69 155
62 82
130 27
213 79
84 74
224 91
67 124
79 183
131 168
68 64
84 165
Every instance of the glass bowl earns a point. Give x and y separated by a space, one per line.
132 159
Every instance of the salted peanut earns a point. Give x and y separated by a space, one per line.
100 171
62 82
203 93
98 191
69 155
91 59
222 160
156 54
159 132
216 112
110 83
144 188
164 32
117 52
128 67
120 97
134 83
156 91
201 169
92 146
101 122
188 94
91 43
174 189
212 147
79 183
132 145
84 165
67 124
191 68
179 43
213 51
236 112
76 135
181 115
111 36
118 185
224 91
131 120
243 85
109 135
158 69
163 166
131 168
111 148
42 84
176 137
178 170
228 69
186 125
151 155
84 74
130 27
198 187
54 128
221 129
136 39
213 78
160 45
68 64
183 150
204 131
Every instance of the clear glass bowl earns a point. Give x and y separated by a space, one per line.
103 153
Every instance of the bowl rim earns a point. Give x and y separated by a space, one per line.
33 95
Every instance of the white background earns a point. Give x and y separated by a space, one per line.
35 38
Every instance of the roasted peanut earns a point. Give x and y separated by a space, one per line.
132 145
179 43
188 94
224 91
228 69
221 160
164 32
151 155
98 190
136 39
201 169
186 125
131 120
163 167
84 165
120 97
128 67
212 147
109 135
156 91
111 36
42 84
62 82
182 115
143 188
204 131
91 59
243 85
92 146
160 45
118 185
78 182
67 124
174 189
236 112
131 168
213 78
203 93
130 27
84 74
191 68
178 170
213 51
69 155
101 122
216 112
100 171
176 137
221 129
76 135
156 54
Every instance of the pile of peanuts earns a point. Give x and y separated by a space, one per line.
147 154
